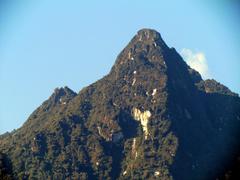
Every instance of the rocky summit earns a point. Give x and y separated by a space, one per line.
151 117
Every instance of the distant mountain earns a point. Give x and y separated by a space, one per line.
151 117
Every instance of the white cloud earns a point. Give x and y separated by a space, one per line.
197 61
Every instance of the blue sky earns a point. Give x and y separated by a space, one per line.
48 44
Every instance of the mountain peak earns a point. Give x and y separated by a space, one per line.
63 91
59 93
148 34
145 49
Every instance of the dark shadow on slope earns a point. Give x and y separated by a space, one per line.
5 167
205 123
129 129
206 152
128 125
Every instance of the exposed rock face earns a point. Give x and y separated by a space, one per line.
151 117
143 117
